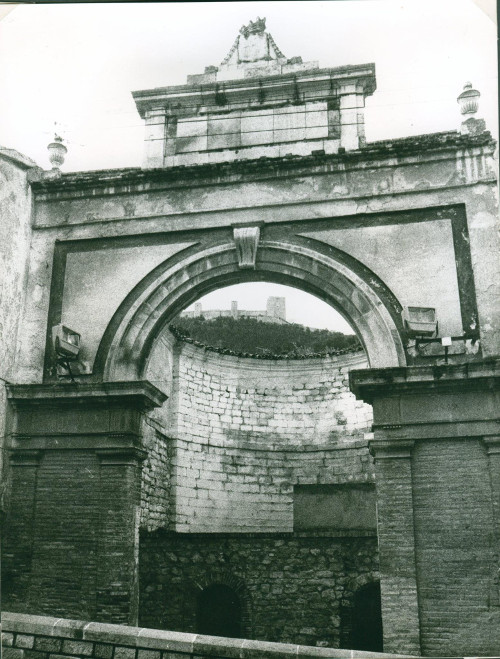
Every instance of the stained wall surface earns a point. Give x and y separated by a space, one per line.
15 239
444 260
243 432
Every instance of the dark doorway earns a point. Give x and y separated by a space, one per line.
366 621
219 612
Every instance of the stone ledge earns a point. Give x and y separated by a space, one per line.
381 382
116 180
141 392
193 645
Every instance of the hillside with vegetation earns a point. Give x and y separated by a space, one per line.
256 337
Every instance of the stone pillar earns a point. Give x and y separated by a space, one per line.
351 117
74 526
155 138
396 545
493 451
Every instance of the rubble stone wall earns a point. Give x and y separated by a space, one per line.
293 588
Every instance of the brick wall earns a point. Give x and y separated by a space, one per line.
49 556
242 432
455 547
294 587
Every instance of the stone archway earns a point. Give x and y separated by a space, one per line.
231 586
126 345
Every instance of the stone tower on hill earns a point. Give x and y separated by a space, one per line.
275 311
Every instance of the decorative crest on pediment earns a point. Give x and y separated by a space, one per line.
254 27
253 44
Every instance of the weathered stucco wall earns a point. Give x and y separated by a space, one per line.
242 432
15 236
89 302
359 205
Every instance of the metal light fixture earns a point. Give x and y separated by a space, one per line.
66 344
420 321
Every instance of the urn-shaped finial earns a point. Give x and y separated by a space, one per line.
57 152
468 99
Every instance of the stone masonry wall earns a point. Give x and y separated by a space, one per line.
219 488
156 479
294 588
298 401
245 431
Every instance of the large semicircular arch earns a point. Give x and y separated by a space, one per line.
127 343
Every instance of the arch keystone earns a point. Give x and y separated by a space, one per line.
246 240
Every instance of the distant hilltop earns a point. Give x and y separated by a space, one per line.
275 311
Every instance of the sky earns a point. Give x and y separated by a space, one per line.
70 68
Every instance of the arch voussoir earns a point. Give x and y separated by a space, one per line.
217 266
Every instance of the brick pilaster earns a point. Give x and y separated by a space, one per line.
397 545
493 451
118 549
18 536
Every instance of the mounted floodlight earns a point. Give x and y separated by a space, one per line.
420 321
66 342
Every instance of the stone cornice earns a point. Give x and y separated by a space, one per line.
142 394
195 95
19 159
116 181
377 383
395 449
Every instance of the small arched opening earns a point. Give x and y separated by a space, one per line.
362 620
218 612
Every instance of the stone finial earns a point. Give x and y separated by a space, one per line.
246 240
57 152
468 100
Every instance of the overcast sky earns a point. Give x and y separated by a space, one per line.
76 64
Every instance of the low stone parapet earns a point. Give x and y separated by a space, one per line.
39 637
